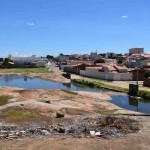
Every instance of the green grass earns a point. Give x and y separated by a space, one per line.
70 92
98 84
3 100
144 94
16 114
24 70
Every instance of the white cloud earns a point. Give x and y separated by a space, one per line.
30 24
124 16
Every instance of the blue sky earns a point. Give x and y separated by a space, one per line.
52 27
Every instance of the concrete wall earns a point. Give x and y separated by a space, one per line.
94 73
120 76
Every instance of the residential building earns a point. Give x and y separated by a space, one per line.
108 72
136 51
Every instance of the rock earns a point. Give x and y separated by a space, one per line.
59 115
92 133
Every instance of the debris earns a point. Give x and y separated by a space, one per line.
92 133
59 115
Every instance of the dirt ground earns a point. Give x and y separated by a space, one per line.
83 103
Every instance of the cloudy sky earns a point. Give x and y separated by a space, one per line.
44 27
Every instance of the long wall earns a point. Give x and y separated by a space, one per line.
95 73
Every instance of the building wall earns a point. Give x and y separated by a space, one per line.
94 73
146 82
120 76
136 50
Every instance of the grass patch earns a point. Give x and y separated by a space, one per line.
144 94
24 70
3 100
70 92
16 114
98 84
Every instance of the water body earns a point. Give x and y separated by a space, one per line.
25 82
133 104
36 83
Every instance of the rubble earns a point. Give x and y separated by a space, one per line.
104 127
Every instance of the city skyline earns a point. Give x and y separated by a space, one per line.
44 27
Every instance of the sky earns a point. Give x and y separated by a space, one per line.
51 27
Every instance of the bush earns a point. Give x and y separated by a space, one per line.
147 74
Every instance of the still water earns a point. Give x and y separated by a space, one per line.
34 83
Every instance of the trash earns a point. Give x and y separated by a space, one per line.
92 133
59 115
98 134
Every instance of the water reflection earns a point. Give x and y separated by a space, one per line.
134 102
130 103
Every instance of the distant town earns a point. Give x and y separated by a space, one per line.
132 66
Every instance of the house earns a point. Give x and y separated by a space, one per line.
138 74
146 82
28 61
138 60
136 51
75 69
95 56
63 57
108 72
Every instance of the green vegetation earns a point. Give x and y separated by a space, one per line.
101 60
99 84
3 100
147 74
24 70
16 114
70 92
120 60
144 94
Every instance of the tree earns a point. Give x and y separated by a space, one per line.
147 74
101 60
6 62
120 60
50 57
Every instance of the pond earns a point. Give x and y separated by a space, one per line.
36 83
25 82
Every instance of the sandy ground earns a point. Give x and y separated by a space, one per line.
81 104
